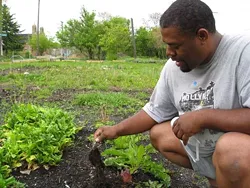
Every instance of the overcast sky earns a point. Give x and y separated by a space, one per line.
231 15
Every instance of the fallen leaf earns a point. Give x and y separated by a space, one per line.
25 172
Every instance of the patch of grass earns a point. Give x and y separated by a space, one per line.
107 99
83 75
109 102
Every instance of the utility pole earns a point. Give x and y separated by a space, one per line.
133 37
37 30
1 28
62 49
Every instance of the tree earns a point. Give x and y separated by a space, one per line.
82 34
144 42
87 35
66 36
45 43
160 49
116 38
13 40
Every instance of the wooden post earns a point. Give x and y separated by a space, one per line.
133 37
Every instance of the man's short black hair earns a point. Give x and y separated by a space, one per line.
189 16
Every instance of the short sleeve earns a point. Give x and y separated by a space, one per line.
243 77
160 106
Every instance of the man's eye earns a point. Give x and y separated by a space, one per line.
176 46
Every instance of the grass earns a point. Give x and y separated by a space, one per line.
118 103
110 88
117 88
85 75
105 99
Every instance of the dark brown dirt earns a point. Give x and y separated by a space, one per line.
76 171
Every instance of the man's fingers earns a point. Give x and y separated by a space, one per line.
175 129
185 139
179 134
98 135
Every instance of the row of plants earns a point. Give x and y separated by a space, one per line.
33 136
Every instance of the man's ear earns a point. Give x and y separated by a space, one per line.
202 34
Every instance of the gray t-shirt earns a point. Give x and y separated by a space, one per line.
223 83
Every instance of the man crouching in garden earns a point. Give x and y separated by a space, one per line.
206 83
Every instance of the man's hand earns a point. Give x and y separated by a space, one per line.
105 132
187 125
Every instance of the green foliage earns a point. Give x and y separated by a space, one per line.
116 38
66 36
45 43
149 43
82 34
36 135
12 41
144 42
5 180
110 38
10 182
150 184
97 38
4 170
126 152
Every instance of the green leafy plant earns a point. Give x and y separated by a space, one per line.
127 153
5 179
36 135
10 182
150 184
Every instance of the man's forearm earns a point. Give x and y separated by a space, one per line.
234 120
138 123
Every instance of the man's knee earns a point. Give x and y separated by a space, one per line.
157 135
162 137
231 155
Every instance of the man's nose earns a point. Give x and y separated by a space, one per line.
170 53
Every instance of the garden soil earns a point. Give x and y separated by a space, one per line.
76 171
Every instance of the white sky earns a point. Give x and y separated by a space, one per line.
231 15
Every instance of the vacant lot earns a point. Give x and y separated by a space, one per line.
94 94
